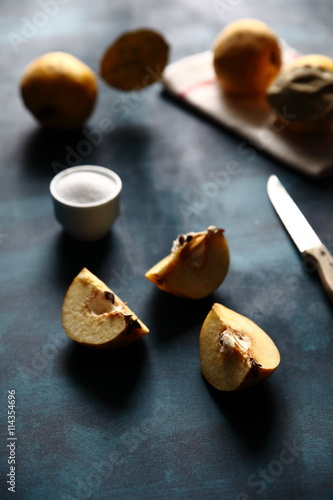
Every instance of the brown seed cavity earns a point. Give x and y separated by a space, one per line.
255 367
131 324
109 296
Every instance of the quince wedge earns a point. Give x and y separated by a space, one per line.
93 315
196 266
235 353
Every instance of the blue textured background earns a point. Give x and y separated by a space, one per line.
141 423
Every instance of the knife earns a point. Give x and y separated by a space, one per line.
302 233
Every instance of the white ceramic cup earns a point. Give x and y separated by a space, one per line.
87 203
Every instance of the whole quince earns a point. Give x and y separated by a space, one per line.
247 57
59 90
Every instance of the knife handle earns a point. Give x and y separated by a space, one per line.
324 266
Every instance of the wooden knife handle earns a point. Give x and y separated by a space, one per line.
324 266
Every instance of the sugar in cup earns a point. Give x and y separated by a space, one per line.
86 200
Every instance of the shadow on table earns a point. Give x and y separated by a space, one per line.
47 152
251 413
108 376
72 255
173 316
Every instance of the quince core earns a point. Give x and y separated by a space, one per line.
93 315
196 266
235 353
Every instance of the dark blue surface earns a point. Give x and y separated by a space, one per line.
141 423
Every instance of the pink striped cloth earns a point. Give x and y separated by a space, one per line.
192 79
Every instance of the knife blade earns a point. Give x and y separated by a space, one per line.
304 237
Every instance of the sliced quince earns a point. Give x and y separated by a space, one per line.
235 353
135 60
196 266
301 97
93 315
